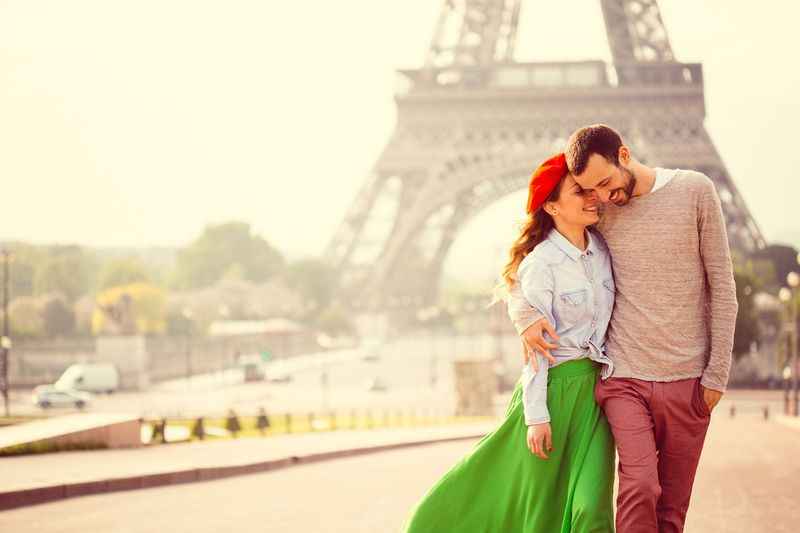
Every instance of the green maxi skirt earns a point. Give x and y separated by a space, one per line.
501 487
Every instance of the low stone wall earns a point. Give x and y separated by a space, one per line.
77 430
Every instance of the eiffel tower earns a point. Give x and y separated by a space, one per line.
473 123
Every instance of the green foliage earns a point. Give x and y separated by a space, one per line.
314 280
747 324
783 259
67 270
25 259
83 311
335 321
206 260
178 323
149 308
58 317
123 272
38 270
25 317
45 316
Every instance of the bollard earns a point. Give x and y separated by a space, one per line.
199 429
163 430
262 421
232 423
766 412
288 423
733 410
159 427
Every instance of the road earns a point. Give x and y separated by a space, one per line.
748 481
405 365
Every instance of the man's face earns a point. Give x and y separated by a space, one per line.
611 183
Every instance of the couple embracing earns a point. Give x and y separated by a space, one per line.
621 288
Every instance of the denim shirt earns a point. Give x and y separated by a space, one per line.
574 291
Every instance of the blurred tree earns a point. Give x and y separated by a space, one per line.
747 325
335 321
25 317
783 259
234 272
123 272
83 310
68 270
177 323
25 259
148 306
314 280
58 317
233 300
207 259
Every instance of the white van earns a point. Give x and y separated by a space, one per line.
97 377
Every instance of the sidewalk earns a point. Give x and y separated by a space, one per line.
32 479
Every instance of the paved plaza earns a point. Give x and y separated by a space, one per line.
749 481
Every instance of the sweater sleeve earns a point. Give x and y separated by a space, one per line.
723 307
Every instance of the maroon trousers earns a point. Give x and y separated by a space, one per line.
659 428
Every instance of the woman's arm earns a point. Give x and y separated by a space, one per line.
536 282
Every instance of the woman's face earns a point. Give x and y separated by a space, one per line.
574 205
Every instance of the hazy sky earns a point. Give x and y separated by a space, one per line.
138 122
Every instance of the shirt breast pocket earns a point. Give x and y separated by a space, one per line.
571 306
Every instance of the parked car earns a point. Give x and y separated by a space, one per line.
94 377
376 385
278 376
252 366
370 349
46 396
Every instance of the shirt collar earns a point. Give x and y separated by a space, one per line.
663 176
570 249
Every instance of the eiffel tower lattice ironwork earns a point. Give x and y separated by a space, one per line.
472 123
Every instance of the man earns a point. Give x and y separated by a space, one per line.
671 332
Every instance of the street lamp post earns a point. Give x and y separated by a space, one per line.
5 341
793 279
427 316
785 296
434 314
787 375
325 342
789 296
187 314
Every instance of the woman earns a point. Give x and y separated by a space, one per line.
562 481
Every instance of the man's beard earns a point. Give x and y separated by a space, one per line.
623 194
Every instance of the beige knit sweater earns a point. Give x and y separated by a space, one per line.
676 306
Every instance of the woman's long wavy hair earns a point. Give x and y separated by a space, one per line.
533 231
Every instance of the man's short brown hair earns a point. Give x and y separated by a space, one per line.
595 139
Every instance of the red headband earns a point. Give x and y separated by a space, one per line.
544 180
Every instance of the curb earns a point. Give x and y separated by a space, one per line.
26 497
